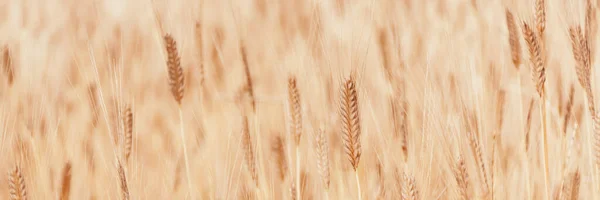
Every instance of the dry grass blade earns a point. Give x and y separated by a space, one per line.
127 131
322 151
513 39
295 110
350 122
123 181
65 190
528 124
176 78
16 184
249 151
93 99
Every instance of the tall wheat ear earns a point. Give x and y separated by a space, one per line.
177 84
295 111
351 129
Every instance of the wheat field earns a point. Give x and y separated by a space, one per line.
290 99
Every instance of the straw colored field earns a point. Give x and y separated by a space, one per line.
325 99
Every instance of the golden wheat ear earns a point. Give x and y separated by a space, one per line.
350 122
16 184
176 78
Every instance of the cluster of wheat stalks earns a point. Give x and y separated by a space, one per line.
405 130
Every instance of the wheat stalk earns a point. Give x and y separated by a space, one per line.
16 184
177 83
538 69
351 125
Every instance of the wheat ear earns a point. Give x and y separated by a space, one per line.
351 126
249 150
177 82
462 178
409 189
296 125
127 131
65 190
16 184
323 160
123 181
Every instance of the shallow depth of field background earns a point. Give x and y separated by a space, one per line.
452 55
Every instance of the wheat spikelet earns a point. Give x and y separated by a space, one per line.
540 17
295 110
66 182
176 78
478 155
597 139
200 46
277 148
127 130
409 189
16 184
591 28
350 122
538 69
462 178
513 39
123 181
293 193
583 69
322 150
248 150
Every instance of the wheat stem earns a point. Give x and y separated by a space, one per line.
185 154
358 184
298 196
545 143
